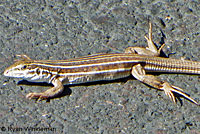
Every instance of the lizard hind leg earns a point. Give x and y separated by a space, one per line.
150 50
139 73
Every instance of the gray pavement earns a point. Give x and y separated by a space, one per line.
68 29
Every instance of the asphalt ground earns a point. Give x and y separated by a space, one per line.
67 29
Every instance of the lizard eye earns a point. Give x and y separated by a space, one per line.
24 67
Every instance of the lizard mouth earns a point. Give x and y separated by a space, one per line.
12 74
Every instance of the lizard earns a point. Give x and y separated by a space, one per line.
136 61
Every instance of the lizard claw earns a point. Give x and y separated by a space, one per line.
170 90
38 96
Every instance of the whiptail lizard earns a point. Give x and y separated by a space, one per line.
136 61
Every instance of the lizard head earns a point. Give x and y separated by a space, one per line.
20 69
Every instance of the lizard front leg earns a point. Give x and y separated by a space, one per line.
139 73
150 50
50 93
